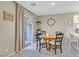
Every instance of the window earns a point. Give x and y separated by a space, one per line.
76 19
76 23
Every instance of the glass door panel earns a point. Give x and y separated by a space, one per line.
27 31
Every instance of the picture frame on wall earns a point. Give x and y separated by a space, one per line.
7 16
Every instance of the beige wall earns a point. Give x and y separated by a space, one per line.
62 22
7 29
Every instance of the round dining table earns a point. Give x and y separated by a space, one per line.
48 39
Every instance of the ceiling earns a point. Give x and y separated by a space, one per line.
45 7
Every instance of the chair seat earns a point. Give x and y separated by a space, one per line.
74 40
43 41
52 42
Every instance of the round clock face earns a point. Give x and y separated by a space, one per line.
51 22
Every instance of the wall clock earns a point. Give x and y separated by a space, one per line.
51 21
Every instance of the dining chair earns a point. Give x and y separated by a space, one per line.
37 39
58 42
72 39
43 32
41 44
57 32
42 41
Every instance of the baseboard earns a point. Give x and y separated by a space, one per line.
11 54
14 53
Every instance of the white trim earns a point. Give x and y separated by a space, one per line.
14 53
11 54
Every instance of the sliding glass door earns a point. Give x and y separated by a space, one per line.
27 31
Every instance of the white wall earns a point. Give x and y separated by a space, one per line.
62 22
7 29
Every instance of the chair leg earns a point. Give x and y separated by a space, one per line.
61 49
46 45
55 50
76 44
70 45
37 44
39 47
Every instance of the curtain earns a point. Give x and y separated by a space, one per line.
19 28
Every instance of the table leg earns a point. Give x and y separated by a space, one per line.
48 47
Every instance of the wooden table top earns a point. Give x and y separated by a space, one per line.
48 37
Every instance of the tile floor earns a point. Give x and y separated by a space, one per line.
31 51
